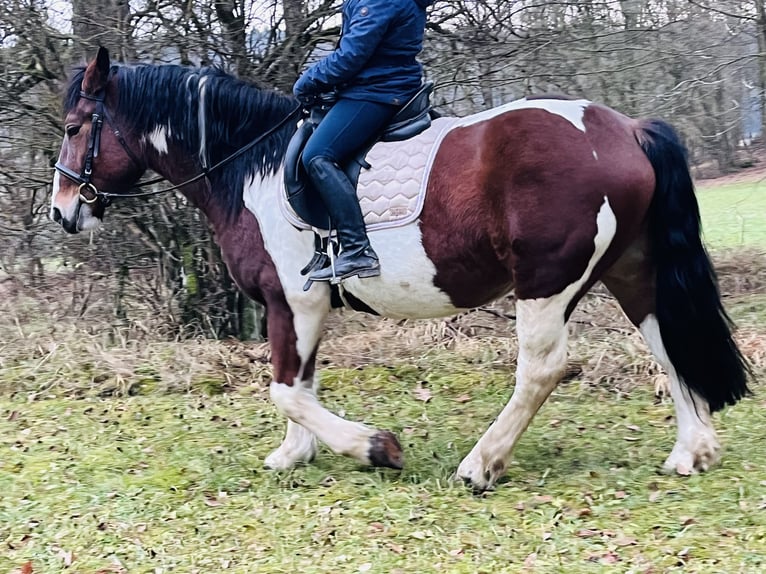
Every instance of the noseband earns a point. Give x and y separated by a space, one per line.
100 114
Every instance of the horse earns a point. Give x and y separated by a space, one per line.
539 198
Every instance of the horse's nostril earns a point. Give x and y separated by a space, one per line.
56 214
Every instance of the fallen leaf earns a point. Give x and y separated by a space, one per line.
365 567
395 548
27 568
620 494
654 495
422 393
587 533
625 541
610 558
456 552
530 560
462 399
377 527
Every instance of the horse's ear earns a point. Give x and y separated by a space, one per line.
97 72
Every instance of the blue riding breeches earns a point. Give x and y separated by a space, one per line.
347 127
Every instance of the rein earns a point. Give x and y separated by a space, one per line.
99 115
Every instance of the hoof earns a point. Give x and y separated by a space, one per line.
385 450
480 478
286 458
685 461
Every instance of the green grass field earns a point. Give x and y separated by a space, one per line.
734 216
147 456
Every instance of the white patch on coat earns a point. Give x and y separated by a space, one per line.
542 332
55 192
159 138
86 221
405 288
290 250
697 446
571 110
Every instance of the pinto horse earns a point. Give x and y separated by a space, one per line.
540 198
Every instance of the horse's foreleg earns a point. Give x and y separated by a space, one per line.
294 335
541 363
365 444
299 445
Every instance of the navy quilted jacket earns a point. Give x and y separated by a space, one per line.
375 59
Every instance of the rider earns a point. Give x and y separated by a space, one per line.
374 71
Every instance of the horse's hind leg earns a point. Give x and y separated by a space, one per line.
542 332
631 280
541 362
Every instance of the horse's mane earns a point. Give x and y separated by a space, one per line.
235 113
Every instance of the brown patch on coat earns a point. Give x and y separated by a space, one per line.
512 202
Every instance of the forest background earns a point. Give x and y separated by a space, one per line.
154 267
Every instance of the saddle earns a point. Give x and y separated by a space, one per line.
414 118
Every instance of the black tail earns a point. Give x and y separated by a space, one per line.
695 328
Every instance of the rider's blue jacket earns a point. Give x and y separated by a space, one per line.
375 59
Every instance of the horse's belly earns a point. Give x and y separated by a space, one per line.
405 288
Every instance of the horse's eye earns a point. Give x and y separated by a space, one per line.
72 130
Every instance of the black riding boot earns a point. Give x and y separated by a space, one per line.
339 196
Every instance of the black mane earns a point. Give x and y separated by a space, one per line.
235 112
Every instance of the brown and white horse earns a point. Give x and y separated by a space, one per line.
539 197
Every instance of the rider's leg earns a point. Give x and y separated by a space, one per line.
348 126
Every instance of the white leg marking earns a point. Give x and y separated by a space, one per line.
697 447
300 405
541 363
299 444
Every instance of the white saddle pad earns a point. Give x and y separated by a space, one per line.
393 191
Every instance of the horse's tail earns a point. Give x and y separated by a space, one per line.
695 329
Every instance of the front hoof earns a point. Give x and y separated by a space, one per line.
285 458
385 450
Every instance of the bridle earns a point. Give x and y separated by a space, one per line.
89 193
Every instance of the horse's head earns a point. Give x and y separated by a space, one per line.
96 156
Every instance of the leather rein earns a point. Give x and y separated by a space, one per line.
89 193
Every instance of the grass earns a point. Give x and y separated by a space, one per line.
734 216
121 452
175 483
